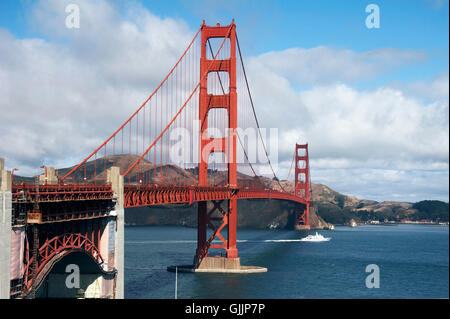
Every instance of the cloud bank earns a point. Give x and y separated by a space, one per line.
64 93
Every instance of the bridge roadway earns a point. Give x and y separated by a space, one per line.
139 196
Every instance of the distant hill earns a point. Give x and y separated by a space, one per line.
337 208
329 206
155 173
431 209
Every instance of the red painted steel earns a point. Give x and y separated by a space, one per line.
51 247
302 181
60 193
150 181
226 145
134 114
138 196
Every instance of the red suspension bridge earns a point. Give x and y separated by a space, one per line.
195 139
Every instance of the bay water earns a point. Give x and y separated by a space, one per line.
413 262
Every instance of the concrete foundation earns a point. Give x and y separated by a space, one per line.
5 231
302 227
219 265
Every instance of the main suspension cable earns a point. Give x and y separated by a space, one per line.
179 111
256 118
237 133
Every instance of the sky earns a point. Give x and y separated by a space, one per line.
373 104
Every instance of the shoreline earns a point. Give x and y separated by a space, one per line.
336 225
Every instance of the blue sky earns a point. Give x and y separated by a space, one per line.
277 25
376 99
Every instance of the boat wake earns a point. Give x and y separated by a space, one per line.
144 242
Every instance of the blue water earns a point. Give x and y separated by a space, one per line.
413 261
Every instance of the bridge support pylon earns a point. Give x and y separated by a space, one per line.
302 185
226 145
216 215
116 180
5 230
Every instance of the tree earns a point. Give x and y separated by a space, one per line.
432 209
340 199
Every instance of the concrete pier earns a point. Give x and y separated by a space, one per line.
49 177
5 230
219 265
302 227
116 180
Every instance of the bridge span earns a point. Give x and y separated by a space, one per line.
75 217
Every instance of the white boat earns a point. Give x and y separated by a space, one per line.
316 237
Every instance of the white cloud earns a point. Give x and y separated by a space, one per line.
403 129
342 122
436 89
65 94
326 65
386 184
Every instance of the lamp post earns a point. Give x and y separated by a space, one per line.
12 175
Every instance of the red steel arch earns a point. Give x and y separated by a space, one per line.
56 248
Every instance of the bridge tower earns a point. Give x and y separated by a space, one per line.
302 184
226 145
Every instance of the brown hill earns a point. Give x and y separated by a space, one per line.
328 203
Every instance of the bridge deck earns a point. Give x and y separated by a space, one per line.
138 195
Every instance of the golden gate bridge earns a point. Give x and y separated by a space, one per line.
195 140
